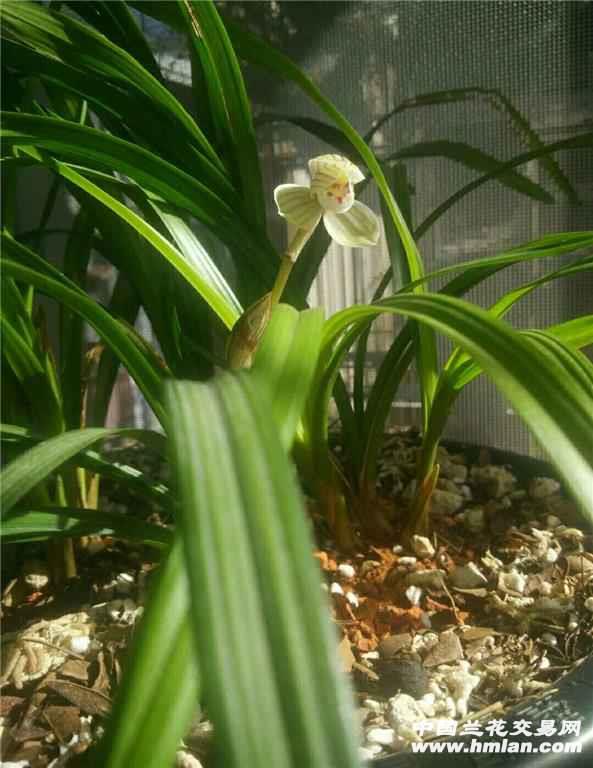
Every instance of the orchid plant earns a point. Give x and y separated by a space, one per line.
170 198
331 196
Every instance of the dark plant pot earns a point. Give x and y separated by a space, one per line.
524 467
570 699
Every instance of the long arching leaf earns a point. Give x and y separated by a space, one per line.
16 440
100 151
51 522
202 275
33 466
285 363
123 341
476 160
582 141
473 158
116 21
501 103
78 45
230 105
399 356
556 411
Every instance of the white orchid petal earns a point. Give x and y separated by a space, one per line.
356 227
297 205
334 167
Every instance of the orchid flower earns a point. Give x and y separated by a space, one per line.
349 222
331 195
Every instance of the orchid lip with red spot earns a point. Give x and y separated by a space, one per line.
331 196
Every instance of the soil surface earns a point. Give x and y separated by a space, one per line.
494 607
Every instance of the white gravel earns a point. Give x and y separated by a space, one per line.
346 571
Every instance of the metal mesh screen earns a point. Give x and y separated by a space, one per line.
370 57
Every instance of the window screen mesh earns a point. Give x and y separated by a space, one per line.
369 58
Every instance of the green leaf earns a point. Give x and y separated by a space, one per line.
33 466
459 152
398 358
180 307
64 39
161 684
460 369
501 103
553 346
280 700
163 649
95 149
16 439
583 141
544 247
230 105
144 279
72 343
48 523
35 383
122 340
31 364
193 271
390 374
122 113
197 256
285 362
18 312
504 304
306 268
19 354
577 332
556 410
476 160
398 179
114 19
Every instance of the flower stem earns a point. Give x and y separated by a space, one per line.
250 327
289 258
286 265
